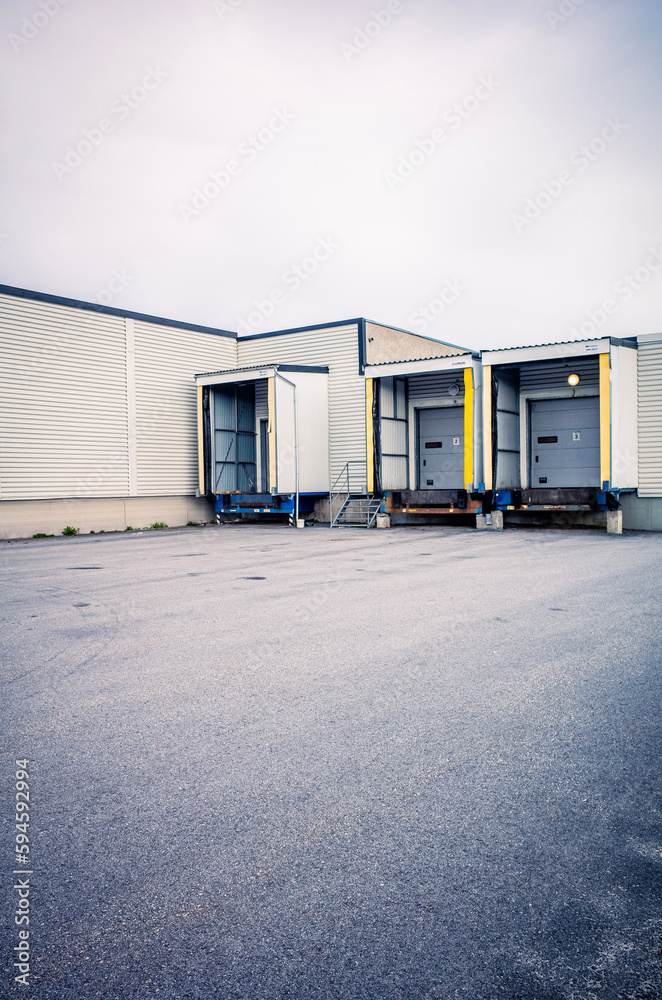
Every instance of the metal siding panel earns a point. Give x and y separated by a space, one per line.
400 398
394 472
261 400
386 397
433 386
507 432
167 359
508 395
63 409
394 437
554 374
336 347
507 470
649 376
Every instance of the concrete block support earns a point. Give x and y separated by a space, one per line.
383 520
497 521
614 522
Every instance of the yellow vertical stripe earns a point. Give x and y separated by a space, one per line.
271 402
605 421
370 446
487 426
201 446
468 426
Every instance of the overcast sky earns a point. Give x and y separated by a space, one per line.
483 171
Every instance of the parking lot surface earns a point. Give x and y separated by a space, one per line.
268 763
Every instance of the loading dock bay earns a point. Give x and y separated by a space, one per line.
272 763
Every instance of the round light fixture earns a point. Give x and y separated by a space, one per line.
453 389
573 379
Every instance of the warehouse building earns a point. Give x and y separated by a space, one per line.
112 419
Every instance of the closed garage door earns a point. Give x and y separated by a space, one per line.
441 448
565 442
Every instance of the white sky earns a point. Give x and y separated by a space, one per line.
555 73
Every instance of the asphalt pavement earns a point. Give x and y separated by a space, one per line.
273 763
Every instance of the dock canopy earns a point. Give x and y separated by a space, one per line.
263 430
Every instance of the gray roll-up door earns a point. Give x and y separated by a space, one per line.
565 442
441 448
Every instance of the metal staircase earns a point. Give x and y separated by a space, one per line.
350 504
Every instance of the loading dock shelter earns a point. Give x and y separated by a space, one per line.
427 425
263 438
560 425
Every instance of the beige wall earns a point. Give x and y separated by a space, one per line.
384 344
23 519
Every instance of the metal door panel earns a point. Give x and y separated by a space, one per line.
565 442
234 439
441 448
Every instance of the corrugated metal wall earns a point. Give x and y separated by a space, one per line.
554 374
337 347
650 418
98 405
261 401
63 399
433 386
167 359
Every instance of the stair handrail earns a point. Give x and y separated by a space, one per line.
345 485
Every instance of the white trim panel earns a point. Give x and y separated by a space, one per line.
519 355
419 367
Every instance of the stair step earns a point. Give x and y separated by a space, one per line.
357 510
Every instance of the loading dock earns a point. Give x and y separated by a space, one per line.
560 427
426 426
263 439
